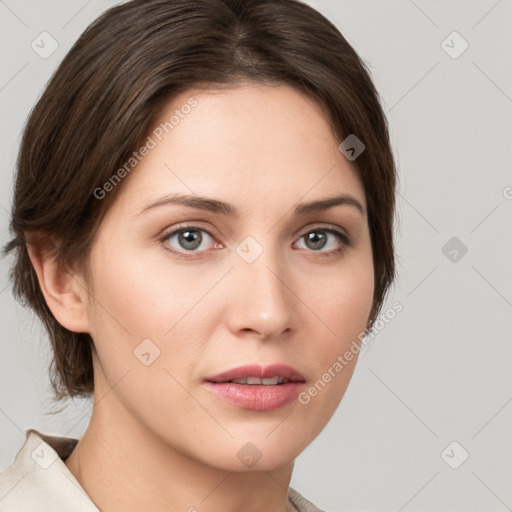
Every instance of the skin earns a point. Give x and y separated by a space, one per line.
158 439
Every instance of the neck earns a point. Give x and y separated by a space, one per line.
123 466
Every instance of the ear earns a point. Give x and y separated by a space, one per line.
64 291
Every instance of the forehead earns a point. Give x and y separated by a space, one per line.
241 143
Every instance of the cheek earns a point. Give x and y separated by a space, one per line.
352 300
344 308
137 298
136 295
346 302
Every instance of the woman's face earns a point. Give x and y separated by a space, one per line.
255 278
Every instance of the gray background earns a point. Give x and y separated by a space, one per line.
440 370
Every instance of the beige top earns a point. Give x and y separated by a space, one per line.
38 480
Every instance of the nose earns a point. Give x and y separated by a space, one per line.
262 300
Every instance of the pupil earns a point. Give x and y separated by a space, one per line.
316 240
190 239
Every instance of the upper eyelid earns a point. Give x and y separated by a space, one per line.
199 227
185 226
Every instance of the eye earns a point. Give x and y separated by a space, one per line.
325 240
189 239
194 239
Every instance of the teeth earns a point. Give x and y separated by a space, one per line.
239 381
270 381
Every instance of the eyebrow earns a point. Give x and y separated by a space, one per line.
216 206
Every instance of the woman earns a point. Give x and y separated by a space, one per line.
203 220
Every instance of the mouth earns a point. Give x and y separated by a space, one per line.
257 388
251 375
257 381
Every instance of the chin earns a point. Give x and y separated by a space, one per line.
246 453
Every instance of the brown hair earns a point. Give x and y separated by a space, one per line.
100 103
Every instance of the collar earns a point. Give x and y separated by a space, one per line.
39 480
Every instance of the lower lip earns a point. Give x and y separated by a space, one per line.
257 398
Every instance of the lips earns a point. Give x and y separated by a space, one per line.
257 388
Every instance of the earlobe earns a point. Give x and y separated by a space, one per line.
64 292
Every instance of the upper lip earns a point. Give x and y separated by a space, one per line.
263 372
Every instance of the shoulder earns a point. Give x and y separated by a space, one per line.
38 479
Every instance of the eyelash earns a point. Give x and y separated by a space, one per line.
345 240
